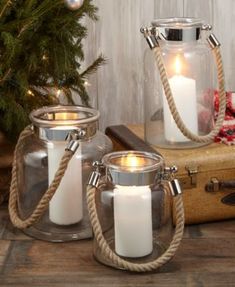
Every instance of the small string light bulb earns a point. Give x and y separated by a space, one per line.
86 84
44 57
58 93
29 92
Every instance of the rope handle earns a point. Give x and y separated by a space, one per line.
122 263
44 202
171 103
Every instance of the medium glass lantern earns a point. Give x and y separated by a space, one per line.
188 63
131 209
38 158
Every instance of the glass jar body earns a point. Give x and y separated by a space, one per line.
67 217
136 221
189 69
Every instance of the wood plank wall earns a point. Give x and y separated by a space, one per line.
117 88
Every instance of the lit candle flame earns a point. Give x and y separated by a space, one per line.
178 65
131 161
61 116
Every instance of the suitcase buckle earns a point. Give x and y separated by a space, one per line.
189 181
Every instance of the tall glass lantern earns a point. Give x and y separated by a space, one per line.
38 158
188 63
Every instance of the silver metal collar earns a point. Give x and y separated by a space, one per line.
55 123
178 29
147 172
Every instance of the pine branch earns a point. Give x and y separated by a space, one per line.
45 7
5 5
94 66
40 49
90 8
68 95
6 75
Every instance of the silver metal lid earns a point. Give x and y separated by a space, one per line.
178 29
55 123
133 168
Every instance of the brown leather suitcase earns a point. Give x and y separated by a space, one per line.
206 174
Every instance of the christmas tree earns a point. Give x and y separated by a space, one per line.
40 50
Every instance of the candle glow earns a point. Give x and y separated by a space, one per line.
132 162
184 93
133 213
65 207
177 66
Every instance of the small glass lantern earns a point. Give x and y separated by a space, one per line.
38 160
188 62
133 203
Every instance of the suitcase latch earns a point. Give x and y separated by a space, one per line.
189 181
215 185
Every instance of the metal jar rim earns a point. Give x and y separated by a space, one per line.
178 29
179 22
55 123
146 174
43 117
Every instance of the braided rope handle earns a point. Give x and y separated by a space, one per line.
117 260
170 99
44 202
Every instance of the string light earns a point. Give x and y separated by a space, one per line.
44 57
29 92
86 84
58 93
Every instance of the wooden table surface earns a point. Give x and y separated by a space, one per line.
206 257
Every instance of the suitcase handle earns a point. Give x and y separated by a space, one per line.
219 185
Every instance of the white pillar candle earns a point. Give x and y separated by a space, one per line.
184 93
133 221
66 205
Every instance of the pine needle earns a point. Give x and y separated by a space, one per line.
94 66
40 49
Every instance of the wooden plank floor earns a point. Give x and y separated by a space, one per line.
206 258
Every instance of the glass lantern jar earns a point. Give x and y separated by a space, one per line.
38 160
188 62
134 207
